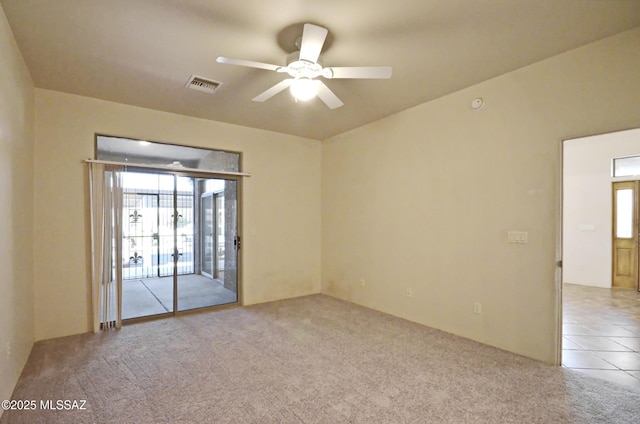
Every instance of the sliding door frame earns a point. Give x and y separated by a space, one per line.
190 173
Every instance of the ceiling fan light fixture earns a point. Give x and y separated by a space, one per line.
304 89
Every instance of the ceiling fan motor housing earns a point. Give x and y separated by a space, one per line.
300 68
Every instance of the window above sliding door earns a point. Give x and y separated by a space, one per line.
143 152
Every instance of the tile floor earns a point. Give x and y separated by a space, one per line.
601 332
153 296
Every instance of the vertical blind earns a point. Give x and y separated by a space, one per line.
106 245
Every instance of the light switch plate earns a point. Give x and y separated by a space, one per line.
520 237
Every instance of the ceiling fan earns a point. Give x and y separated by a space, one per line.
303 67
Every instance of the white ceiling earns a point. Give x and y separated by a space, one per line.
141 52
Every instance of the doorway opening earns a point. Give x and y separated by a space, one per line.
600 298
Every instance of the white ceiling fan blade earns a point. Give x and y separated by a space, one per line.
269 93
313 38
249 63
368 72
328 97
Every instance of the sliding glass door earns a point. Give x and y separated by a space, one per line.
210 246
147 244
180 243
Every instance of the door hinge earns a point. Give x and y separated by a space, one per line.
236 242
559 263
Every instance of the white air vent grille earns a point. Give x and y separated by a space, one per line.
203 84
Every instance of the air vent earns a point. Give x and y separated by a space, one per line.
203 84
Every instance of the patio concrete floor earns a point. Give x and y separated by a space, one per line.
152 296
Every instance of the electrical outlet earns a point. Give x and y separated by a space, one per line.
477 308
363 283
409 292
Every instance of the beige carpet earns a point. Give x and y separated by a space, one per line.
307 360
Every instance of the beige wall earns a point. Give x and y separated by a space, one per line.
281 217
424 199
16 211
